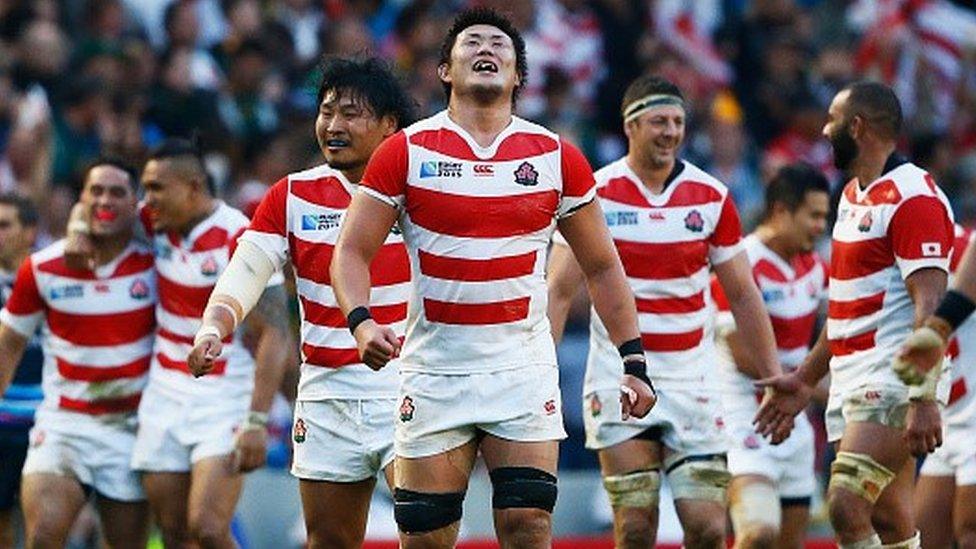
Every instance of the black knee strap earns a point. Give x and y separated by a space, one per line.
418 513
522 488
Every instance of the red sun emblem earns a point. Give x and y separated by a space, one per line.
139 289
694 221
526 175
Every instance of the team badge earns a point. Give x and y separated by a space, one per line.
595 405
209 266
139 289
550 407
694 221
299 431
865 224
526 175
406 409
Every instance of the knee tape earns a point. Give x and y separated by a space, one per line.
860 474
873 542
914 542
638 489
700 477
754 506
418 513
522 488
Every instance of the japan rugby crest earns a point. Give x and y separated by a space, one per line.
299 431
526 175
694 221
406 409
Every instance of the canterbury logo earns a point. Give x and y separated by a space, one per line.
484 169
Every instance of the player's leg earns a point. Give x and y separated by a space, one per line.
125 524
933 502
214 490
755 511
168 494
964 512
699 486
50 502
428 496
336 512
523 478
632 479
893 518
13 450
794 524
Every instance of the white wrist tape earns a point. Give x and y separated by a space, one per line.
927 389
245 277
204 332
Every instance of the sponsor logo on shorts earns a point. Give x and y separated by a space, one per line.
406 409
433 168
621 218
550 406
526 175
139 289
864 225
67 292
209 266
596 407
298 432
694 221
320 222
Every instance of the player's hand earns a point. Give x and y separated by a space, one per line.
377 344
204 354
786 396
922 351
636 397
79 251
923 427
250 449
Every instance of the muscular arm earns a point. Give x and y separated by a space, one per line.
587 235
268 322
564 279
926 288
817 363
12 345
368 222
751 320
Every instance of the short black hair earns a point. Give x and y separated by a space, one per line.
370 80
115 162
648 84
177 147
876 103
26 211
791 184
486 16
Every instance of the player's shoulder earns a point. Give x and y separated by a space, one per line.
692 175
613 171
52 252
910 180
521 125
754 248
437 121
322 171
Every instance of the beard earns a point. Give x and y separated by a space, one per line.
845 149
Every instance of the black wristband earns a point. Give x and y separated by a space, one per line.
632 347
356 317
955 308
638 369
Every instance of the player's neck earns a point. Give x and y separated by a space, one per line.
778 243
107 248
870 163
203 209
12 263
354 175
653 177
482 122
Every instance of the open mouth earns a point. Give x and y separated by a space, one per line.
337 143
485 66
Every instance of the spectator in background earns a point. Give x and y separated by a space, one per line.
243 108
76 139
182 31
243 23
305 22
801 140
177 105
41 56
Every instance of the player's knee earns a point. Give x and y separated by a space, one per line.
639 489
47 533
760 536
634 531
523 488
756 515
846 512
859 475
706 533
704 478
208 531
324 537
420 513
524 527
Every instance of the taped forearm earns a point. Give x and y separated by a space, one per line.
241 284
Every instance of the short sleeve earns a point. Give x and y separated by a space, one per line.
921 234
25 308
724 321
269 228
385 177
579 187
725 241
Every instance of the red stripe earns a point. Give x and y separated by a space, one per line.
959 246
102 406
768 270
646 260
186 340
391 265
135 263
792 333
847 310
958 390
693 193
76 372
476 270
481 216
180 300
220 366
332 317
622 190
940 41
672 305
327 192
103 329
469 314
213 238
860 342
331 357
58 267
953 349
885 192
518 146
667 343
850 260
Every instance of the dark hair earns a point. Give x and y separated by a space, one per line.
876 103
648 84
26 211
371 81
486 16
791 184
115 162
179 148
169 14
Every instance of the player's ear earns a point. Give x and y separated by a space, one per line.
444 73
857 126
389 125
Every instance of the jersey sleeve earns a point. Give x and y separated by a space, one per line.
386 173
269 227
724 321
921 234
579 187
24 310
726 240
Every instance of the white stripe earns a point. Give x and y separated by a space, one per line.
378 295
857 288
102 356
670 287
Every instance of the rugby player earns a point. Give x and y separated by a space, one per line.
671 224
477 193
97 342
889 263
343 431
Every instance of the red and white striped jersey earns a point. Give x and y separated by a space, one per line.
299 220
667 243
962 347
792 292
97 331
187 269
477 222
900 223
